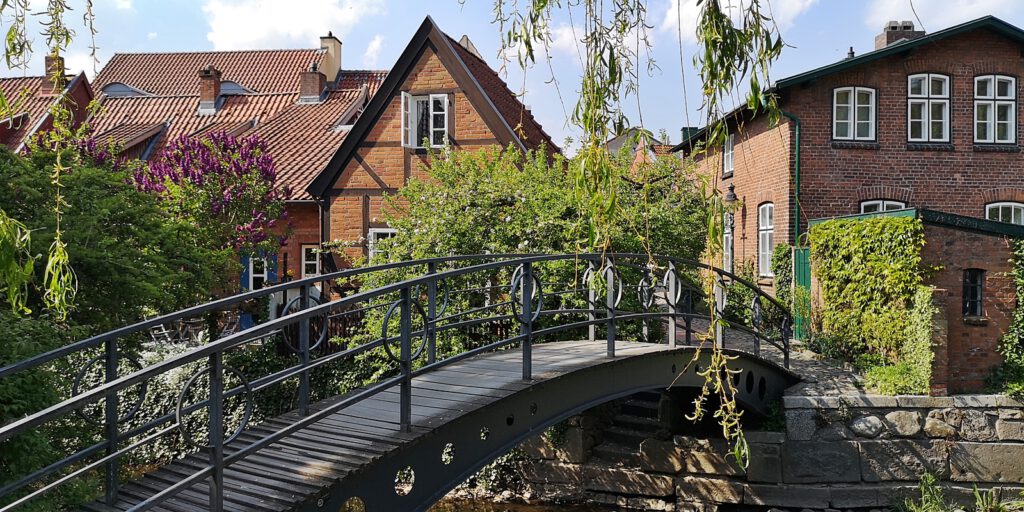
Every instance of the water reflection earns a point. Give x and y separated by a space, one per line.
484 506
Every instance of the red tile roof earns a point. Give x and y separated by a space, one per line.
30 98
518 117
165 74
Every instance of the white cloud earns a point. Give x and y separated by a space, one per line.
123 4
151 36
784 12
937 14
77 61
373 51
564 39
242 24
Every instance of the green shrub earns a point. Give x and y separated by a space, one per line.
1009 376
782 268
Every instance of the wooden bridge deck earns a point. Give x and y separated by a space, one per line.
299 468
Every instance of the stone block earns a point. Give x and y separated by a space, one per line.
1011 414
765 463
633 502
801 424
538 447
706 456
987 462
902 460
834 432
813 462
715 490
553 473
867 426
660 456
1010 430
904 423
762 436
575 446
789 496
985 401
860 496
627 481
978 426
924 402
934 427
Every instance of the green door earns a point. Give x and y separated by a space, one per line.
802 291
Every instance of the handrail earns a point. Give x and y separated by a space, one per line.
509 307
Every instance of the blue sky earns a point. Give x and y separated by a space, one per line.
374 32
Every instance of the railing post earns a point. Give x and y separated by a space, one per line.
304 355
110 423
787 333
756 317
216 425
688 320
405 405
719 291
526 322
430 328
672 289
645 324
609 278
592 301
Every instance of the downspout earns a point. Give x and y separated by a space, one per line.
796 181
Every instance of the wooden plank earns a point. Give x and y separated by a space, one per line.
356 457
253 487
284 480
201 492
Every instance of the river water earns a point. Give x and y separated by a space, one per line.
487 506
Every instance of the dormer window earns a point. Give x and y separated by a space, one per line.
995 107
928 108
424 120
853 113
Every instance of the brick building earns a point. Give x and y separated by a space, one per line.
439 93
925 121
31 97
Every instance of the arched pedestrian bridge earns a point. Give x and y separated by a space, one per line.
459 359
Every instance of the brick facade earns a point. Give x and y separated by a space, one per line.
958 176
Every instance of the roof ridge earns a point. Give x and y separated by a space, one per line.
192 52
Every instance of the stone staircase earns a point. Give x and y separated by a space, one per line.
636 420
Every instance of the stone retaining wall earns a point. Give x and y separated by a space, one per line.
837 452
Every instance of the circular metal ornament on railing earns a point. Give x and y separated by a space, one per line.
672 276
295 306
384 332
645 292
246 416
613 282
757 313
445 297
76 388
523 316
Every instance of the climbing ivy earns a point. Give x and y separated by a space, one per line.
1009 377
874 309
782 269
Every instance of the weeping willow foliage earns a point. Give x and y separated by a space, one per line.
735 45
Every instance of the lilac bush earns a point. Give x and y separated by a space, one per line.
227 185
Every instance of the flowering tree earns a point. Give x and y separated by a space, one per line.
226 185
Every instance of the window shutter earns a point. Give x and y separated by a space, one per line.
271 270
245 273
406 104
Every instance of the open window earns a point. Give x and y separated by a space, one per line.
424 120
373 239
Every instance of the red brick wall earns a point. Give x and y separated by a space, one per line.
305 224
971 345
357 201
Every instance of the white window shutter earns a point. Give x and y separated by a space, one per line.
406 105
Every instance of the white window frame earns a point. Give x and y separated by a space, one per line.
928 100
854 118
728 154
1016 211
727 242
372 237
765 238
252 272
884 205
315 261
993 100
410 115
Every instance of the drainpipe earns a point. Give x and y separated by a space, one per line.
796 181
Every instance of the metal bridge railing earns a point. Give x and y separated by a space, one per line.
417 314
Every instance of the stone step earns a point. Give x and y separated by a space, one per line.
650 425
625 436
640 408
617 455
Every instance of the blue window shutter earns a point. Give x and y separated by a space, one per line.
272 269
245 272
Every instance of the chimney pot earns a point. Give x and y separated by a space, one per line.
55 73
209 89
330 64
896 31
311 85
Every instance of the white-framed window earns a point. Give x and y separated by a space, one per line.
424 118
258 272
928 108
727 252
1006 211
727 153
310 260
374 237
853 113
765 238
995 109
881 205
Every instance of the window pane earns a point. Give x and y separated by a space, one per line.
1005 213
843 130
843 97
917 110
864 130
1018 215
992 213
863 114
917 129
864 98
422 121
893 205
842 113
438 139
1004 88
938 87
917 86
983 88
869 207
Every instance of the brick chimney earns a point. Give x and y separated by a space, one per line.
330 65
895 31
55 78
311 85
209 90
